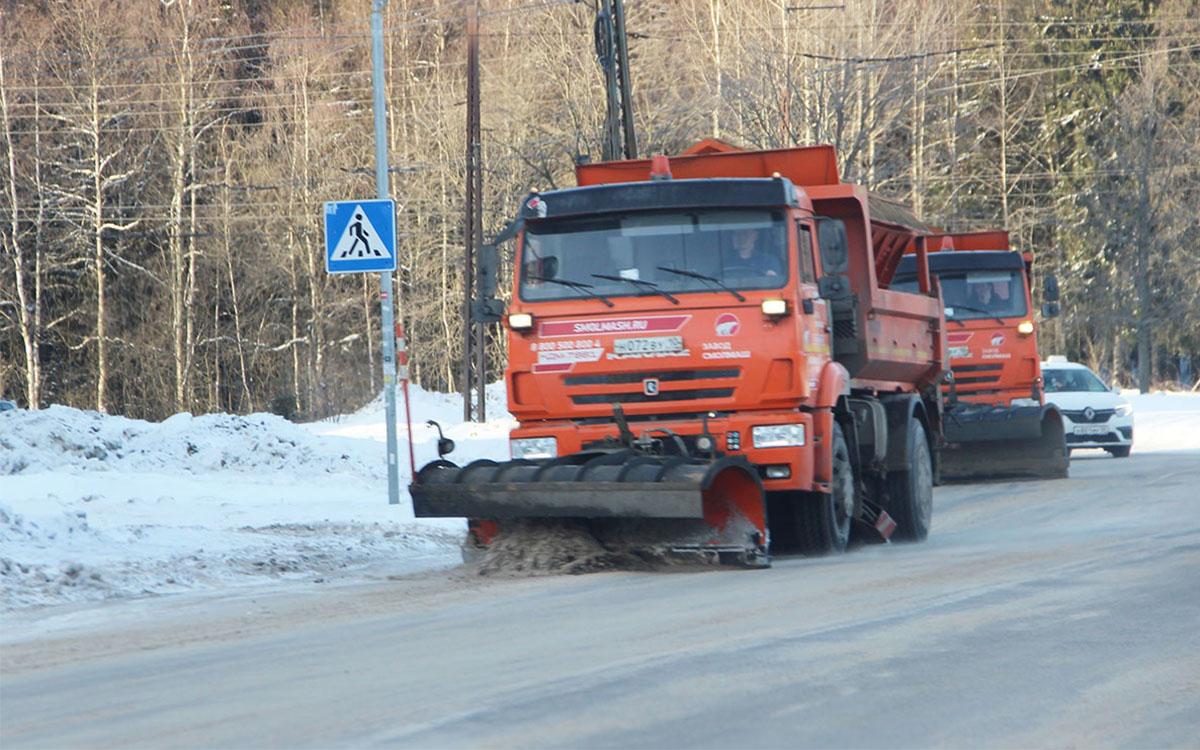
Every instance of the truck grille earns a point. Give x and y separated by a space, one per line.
977 374
635 395
622 378
638 398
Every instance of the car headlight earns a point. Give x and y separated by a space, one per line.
778 435
541 447
1124 410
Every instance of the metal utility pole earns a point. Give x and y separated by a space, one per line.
631 149
385 279
473 336
613 55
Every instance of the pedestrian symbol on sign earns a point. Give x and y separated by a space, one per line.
359 240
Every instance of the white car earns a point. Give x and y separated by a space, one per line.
1094 416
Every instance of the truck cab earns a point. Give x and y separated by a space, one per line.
990 331
998 423
693 307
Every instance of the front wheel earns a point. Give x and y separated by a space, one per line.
1119 451
824 520
911 501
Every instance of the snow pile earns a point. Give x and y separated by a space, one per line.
61 438
95 506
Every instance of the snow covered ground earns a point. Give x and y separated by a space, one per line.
95 507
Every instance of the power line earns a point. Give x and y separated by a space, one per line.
391 30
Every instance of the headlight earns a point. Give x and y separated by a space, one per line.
1025 327
543 447
520 321
778 435
1124 410
774 307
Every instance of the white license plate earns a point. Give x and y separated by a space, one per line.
648 345
1091 429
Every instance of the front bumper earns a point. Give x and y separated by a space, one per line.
573 437
1114 433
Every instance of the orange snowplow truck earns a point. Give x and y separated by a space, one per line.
702 360
997 423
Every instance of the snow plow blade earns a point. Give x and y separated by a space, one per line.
988 442
685 504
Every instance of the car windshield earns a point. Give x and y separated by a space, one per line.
1066 380
978 294
653 252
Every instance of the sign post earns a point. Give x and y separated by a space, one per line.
360 236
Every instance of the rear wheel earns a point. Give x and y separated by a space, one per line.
824 520
1119 451
911 492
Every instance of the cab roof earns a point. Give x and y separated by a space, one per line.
950 261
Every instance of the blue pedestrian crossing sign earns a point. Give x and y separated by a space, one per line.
360 236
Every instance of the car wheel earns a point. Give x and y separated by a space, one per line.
1119 451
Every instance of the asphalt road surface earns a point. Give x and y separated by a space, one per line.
1040 614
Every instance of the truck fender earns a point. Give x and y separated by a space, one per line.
834 384
901 410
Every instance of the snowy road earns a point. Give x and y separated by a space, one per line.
1059 613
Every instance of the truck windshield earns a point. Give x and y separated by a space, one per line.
977 294
643 253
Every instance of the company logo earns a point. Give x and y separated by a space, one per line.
728 324
650 386
1089 413
998 339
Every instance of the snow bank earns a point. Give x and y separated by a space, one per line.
94 506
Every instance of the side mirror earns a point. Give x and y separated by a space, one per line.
831 237
1050 310
487 269
1050 289
489 310
833 287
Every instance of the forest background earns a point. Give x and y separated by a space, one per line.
163 167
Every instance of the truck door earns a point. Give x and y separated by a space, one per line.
814 311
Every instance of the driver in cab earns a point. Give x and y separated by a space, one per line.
750 257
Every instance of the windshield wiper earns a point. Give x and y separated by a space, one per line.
637 282
997 318
702 277
576 285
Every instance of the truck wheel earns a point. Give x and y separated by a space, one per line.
824 520
911 502
1119 451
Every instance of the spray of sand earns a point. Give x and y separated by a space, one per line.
555 547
